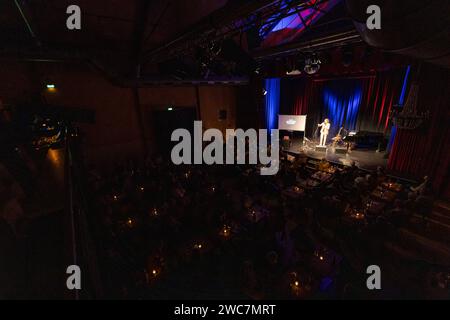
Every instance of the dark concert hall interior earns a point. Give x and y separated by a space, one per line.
198 150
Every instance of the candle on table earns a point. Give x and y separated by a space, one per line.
295 287
130 222
226 231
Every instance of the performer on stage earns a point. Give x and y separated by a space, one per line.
324 132
343 132
340 137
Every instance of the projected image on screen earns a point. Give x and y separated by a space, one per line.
291 123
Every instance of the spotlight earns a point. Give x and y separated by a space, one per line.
169 109
291 67
294 72
312 64
264 92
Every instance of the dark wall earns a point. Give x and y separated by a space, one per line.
116 133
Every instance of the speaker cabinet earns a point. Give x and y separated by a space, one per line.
340 150
321 149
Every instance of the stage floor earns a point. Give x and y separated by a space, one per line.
364 159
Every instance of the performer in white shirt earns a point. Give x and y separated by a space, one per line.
324 132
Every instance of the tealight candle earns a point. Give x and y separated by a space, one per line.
295 286
359 216
226 231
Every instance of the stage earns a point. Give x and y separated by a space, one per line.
364 159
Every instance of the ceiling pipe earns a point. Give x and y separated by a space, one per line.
330 41
213 24
218 18
114 77
27 23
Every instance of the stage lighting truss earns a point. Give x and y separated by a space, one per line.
209 52
265 17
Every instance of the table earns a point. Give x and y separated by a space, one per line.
392 186
325 262
384 195
375 207
294 192
308 183
321 176
256 214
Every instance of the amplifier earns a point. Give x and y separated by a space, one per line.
340 150
321 149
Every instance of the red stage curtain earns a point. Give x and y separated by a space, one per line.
380 92
426 151
304 96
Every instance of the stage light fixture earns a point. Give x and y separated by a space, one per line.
264 92
312 64
294 72
170 109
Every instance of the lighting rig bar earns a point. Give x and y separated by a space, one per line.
264 15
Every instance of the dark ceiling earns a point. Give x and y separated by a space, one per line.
144 38
203 39
106 24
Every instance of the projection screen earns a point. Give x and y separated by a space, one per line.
291 123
